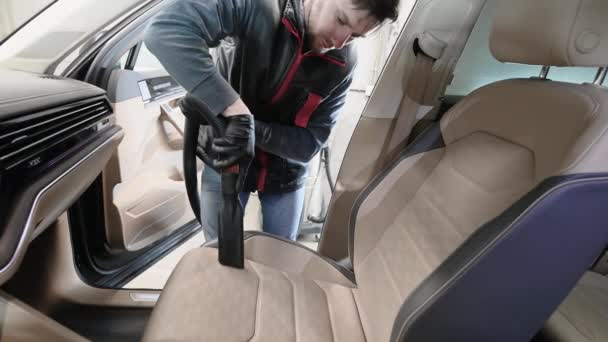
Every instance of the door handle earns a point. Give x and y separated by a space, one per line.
169 114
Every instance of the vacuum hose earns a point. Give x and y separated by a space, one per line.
230 235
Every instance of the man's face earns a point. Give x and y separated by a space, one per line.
331 24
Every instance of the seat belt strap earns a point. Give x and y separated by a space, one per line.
427 48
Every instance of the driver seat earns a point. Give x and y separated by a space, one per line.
476 232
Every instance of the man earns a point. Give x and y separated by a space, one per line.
286 61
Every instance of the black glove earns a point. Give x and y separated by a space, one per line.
205 140
262 132
237 145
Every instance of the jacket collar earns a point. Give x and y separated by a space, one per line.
294 12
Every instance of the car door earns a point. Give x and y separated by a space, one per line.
144 191
63 41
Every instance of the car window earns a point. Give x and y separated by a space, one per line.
572 74
477 67
147 61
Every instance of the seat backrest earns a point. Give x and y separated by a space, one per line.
487 220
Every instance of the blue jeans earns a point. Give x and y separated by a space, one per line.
280 211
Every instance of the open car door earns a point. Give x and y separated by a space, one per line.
144 190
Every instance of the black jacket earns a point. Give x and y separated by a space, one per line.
294 95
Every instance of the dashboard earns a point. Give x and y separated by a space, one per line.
56 135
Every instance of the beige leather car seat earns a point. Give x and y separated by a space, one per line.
475 233
583 315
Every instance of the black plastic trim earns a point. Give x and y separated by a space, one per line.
23 93
98 265
103 323
19 209
132 57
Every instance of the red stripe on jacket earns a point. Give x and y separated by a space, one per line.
263 169
294 67
306 111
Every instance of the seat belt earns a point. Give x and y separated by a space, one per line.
427 48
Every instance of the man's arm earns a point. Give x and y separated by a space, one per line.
180 37
303 143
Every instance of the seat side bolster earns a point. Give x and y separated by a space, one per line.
503 257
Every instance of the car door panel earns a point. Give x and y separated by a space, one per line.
145 197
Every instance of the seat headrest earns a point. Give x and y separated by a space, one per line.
551 32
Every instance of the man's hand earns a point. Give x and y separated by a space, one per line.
239 139
237 144
205 140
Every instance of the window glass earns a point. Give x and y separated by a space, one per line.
122 62
147 61
477 67
572 74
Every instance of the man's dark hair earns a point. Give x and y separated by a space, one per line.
380 9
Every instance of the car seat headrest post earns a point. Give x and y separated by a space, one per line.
544 72
601 76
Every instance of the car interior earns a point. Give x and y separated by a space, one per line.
468 205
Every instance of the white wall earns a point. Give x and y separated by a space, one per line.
14 13
373 51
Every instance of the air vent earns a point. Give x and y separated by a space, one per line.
50 77
22 138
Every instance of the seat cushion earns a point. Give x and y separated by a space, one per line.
205 301
289 256
583 315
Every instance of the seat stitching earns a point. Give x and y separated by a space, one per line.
258 303
331 323
311 254
377 180
352 293
408 236
405 205
574 325
389 273
439 209
293 292
455 171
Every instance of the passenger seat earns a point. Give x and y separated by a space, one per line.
583 315
477 232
